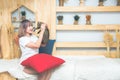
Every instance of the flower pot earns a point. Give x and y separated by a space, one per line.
88 19
61 2
88 22
81 2
75 22
23 17
118 3
60 22
100 4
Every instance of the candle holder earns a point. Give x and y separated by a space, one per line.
88 19
60 19
76 19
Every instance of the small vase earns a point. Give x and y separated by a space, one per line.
61 2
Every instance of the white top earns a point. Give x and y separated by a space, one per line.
26 51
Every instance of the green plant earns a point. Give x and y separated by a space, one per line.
102 0
23 13
76 17
60 17
118 2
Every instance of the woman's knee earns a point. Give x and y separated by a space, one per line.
29 71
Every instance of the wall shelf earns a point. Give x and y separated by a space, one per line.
97 27
20 21
61 47
89 9
86 52
16 16
82 45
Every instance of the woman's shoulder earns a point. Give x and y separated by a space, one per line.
26 37
34 36
23 38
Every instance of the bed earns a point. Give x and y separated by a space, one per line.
75 68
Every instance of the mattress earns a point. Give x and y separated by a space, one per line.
88 68
75 68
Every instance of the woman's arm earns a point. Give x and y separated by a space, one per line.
38 42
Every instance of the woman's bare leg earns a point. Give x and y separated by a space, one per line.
45 75
29 70
41 76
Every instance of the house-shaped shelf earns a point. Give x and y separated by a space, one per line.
16 15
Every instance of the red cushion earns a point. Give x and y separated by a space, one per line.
42 62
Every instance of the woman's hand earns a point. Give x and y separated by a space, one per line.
43 26
37 44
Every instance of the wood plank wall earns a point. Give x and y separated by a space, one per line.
42 9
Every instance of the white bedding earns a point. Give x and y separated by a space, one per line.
75 68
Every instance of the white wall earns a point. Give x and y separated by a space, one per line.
96 18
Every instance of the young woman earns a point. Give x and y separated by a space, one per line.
29 45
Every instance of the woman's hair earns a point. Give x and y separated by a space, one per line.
23 26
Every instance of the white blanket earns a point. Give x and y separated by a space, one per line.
75 68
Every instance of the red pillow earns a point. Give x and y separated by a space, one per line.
42 62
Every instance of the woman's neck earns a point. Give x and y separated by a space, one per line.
28 35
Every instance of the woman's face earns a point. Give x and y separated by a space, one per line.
29 30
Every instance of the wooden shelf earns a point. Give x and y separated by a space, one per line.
67 48
88 27
86 52
89 9
20 21
82 45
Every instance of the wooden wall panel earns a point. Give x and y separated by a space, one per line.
42 9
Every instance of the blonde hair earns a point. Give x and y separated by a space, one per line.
23 26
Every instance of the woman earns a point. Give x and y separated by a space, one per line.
29 45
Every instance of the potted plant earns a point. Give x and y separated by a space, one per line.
82 2
23 13
88 19
76 19
60 19
61 2
118 2
101 2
